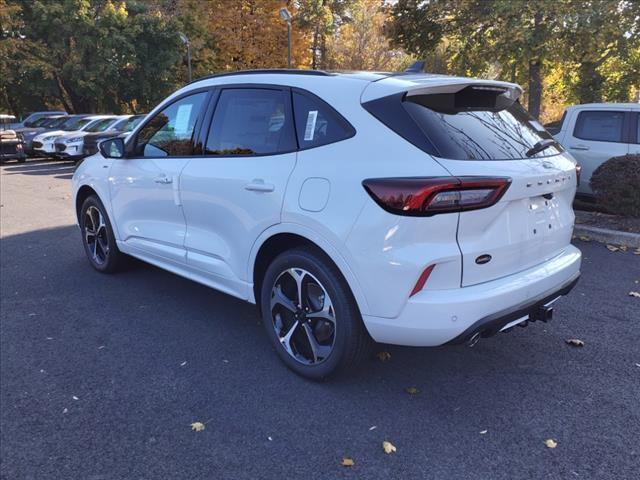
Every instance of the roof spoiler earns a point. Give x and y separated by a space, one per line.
416 67
466 95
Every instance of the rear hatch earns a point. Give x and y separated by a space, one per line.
478 129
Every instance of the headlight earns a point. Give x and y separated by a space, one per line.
73 140
50 137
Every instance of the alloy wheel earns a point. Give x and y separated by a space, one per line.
95 235
303 316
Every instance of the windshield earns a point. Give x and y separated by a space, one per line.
55 122
99 125
128 124
481 134
41 122
74 124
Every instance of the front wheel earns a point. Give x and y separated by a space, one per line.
310 315
97 237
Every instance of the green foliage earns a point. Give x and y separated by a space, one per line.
89 56
616 183
594 43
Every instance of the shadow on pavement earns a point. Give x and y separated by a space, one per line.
40 167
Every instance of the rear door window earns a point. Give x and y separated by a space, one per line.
317 123
599 126
251 121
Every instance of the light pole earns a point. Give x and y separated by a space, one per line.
286 16
185 40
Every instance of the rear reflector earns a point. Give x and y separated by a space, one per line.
422 280
423 197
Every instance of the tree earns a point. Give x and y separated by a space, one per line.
361 44
250 34
596 36
90 55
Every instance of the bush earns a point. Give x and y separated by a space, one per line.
616 185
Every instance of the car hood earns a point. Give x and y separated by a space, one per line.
50 133
67 135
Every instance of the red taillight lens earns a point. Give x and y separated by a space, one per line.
424 197
578 172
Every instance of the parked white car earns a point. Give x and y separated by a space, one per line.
44 144
71 145
596 132
411 209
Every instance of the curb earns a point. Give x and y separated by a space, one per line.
609 236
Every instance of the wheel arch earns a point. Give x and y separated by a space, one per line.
84 192
286 236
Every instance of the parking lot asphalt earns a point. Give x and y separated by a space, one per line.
101 376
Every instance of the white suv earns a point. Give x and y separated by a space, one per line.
405 208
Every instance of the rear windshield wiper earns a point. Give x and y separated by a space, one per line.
540 146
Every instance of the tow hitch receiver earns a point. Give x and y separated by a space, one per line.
543 313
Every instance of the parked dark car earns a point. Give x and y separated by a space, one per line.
11 143
41 125
123 127
31 117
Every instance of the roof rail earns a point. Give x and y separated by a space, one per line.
287 71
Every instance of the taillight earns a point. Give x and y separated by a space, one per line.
423 197
578 172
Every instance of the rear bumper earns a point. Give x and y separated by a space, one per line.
436 317
528 311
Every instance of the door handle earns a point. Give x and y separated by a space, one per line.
258 185
579 147
163 179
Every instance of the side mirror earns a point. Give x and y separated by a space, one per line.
112 148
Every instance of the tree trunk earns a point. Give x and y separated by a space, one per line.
589 87
535 88
535 67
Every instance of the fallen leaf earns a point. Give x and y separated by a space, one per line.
584 238
412 390
637 364
270 439
374 427
637 251
197 426
383 356
551 443
388 447
574 342
100 347
623 248
611 248
347 462
65 410
183 363
225 361
483 432
75 398
634 294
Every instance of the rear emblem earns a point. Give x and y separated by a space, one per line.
482 259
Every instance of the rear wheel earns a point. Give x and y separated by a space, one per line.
97 237
310 315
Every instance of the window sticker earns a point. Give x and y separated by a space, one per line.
310 129
182 119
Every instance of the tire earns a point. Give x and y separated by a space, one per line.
102 252
341 340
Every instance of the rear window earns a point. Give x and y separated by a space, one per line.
599 126
481 134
